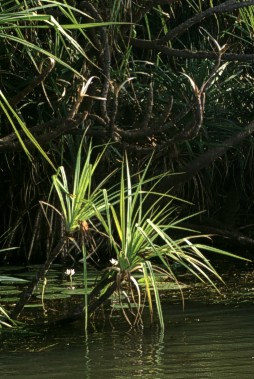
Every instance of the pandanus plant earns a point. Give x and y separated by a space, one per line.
139 227
137 221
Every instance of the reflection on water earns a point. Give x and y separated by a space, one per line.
203 342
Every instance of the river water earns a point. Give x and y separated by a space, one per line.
204 341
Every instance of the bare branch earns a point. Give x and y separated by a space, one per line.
227 6
228 57
112 124
205 159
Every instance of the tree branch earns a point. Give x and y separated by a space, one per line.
227 6
205 159
228 57
62 126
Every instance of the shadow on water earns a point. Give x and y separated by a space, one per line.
205 341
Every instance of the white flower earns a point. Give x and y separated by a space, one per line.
113 261
70 272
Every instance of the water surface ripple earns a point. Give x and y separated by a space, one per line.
205 341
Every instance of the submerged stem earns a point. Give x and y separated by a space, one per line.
28 292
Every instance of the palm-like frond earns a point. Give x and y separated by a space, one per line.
143 222
82 202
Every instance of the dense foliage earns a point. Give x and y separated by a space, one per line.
167 79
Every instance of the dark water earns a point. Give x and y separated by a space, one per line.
206 341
